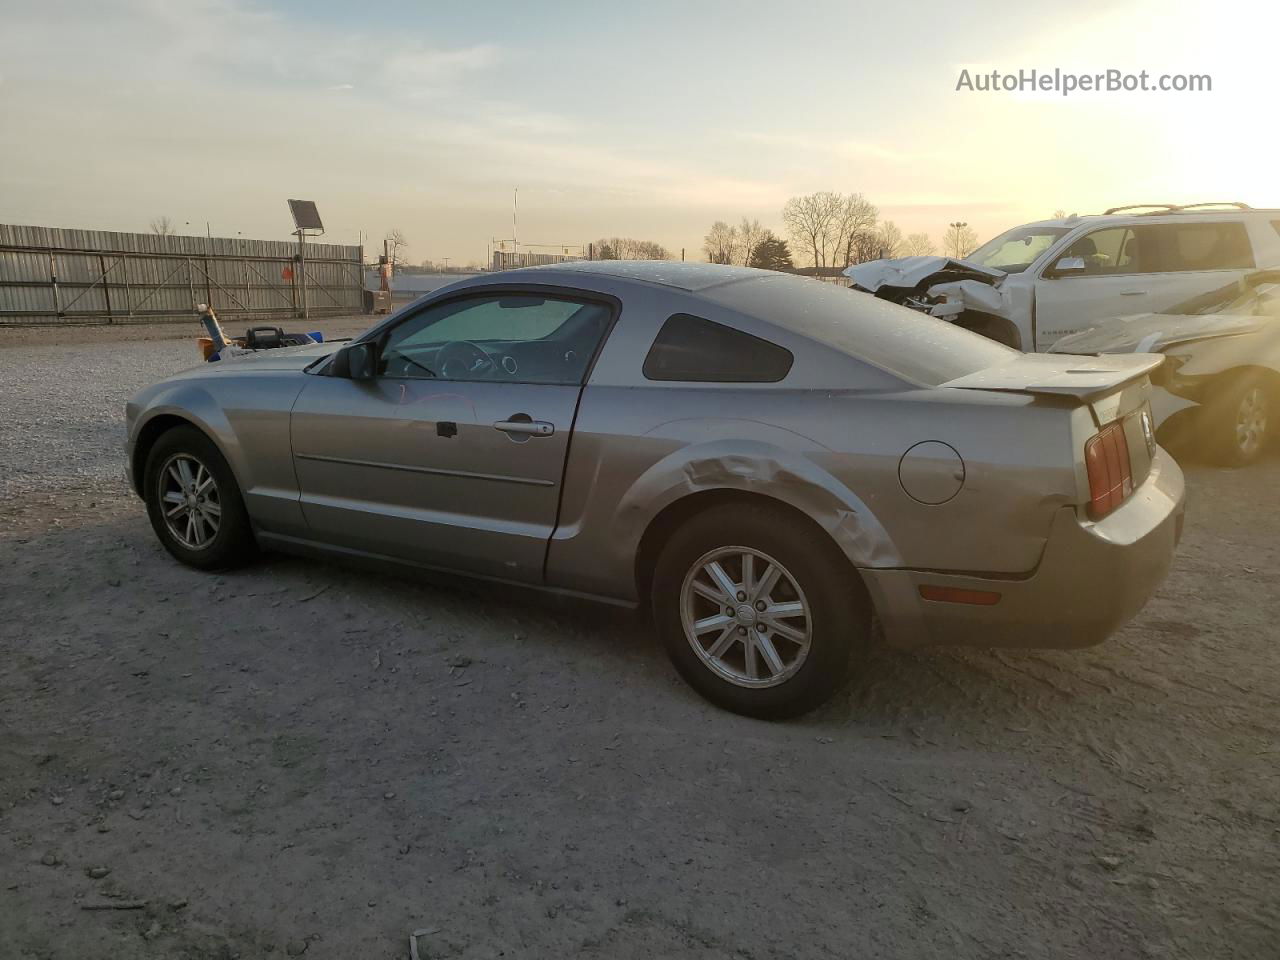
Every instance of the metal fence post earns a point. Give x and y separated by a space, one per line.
106 286
53 282
302 270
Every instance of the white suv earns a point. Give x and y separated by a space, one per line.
1039 282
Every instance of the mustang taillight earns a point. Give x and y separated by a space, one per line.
1110 475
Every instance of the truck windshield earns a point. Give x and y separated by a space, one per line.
1015 250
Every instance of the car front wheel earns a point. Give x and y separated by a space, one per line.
194 503
758 613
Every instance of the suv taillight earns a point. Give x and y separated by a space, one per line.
1110 475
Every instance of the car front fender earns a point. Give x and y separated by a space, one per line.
247 418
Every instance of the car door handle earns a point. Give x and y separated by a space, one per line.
1132 293
532 428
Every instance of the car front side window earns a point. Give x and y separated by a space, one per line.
517 337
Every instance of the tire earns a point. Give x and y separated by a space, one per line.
211 529
813 574
1240 421
993 328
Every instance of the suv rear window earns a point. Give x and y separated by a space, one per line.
693 349
909 345
1182 247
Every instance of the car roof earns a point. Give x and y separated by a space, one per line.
1097 219
679 274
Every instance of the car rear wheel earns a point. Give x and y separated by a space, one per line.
1241 422
194 504
756 613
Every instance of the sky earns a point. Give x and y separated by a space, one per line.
649 120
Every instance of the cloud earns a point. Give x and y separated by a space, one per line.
417 71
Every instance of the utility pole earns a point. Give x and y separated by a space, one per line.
302 271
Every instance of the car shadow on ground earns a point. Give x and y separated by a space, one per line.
888 688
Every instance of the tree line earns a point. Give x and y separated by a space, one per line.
828 230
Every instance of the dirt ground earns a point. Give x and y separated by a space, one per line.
307 759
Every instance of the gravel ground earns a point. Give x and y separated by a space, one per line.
302 758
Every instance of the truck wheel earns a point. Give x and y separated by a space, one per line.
194 503
757 614
1240 422
993 328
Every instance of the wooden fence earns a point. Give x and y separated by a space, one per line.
55 276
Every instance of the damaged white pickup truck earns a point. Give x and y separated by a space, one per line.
1034 284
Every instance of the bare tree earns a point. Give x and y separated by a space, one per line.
396 244
918 245
959 240
889 238
750 233
721 243
627 248
162 226
647 250
856 215
864 246
814 223
1059 214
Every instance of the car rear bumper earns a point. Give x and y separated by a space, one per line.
1092 577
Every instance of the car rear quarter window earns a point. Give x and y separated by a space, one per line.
692 349
899 341
1189 247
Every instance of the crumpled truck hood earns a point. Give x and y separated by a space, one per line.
1152 332
908 273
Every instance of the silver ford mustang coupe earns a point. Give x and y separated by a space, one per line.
779 468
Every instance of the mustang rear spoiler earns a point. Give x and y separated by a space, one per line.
1086 378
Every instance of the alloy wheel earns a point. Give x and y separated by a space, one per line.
1251 421
746 617
190 501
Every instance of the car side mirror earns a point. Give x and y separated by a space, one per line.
1069 265
357 361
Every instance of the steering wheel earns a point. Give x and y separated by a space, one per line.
464 360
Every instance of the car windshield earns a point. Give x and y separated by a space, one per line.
907 344
1235 299
1015 250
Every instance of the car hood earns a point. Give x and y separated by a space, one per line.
1152 332
908 273
281 358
